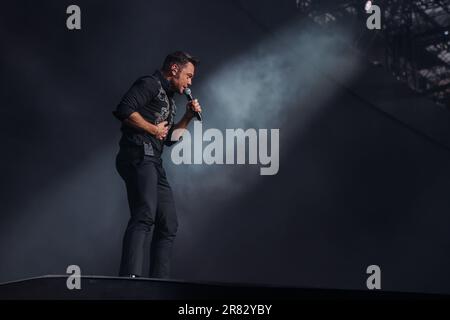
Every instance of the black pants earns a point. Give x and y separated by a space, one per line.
152 211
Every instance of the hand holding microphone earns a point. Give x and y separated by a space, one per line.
195 106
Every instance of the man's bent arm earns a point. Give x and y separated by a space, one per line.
182 124
136 120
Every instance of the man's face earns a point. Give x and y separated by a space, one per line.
182 76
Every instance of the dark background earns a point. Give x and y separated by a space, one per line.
364 162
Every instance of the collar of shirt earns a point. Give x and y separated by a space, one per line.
165 83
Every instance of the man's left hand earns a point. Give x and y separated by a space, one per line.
193 106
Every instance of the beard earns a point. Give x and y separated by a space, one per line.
175 82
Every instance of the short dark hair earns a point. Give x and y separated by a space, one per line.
180 58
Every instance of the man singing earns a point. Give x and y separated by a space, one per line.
147 112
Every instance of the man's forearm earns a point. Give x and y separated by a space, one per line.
184 122
182 125
137 121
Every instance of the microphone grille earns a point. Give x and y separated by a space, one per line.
187 91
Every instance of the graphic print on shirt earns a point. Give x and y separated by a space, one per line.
165 110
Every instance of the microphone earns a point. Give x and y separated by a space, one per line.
188 94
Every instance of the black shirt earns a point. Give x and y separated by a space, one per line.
152 97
